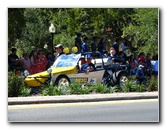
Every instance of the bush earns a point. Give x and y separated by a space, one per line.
153 84
15 82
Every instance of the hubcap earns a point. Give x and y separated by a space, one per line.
63 82
122 81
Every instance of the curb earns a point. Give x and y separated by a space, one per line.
81 98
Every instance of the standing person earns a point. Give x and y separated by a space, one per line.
123 46
42 57
13 60
141 59
116 45
94 44
78 42
133 64
101 46
59 49
154 63
88 66
49 59
85 47
26 62
35 61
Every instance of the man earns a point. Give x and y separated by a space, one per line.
13 60
116 45
59 49
78 42
88 66
85 47
94 44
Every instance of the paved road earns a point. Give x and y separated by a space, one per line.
146 110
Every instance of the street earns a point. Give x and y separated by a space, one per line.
146 110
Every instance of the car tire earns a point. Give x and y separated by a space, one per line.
119 77
62 80
122 78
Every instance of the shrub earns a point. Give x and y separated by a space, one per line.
153 84
50 90
15 82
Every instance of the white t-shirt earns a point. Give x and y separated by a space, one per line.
155 65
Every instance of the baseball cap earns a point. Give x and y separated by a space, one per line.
59 46
140 66
88 56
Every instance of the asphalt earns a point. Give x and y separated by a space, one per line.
81 98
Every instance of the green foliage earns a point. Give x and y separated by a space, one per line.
29 27
15 84
143 30
153 84
25 91
50 90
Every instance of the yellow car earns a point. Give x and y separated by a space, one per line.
66 68
63 66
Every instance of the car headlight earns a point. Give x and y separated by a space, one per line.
26 73
49 70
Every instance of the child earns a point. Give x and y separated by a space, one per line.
140 74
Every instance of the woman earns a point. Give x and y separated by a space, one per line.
42 67
35 61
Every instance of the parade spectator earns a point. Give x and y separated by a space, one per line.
94 44
140 75
148 64
116 45
26 63
101 46
133 64
88 66
78 42
85 47
141 59
59 48
13 60
121 57
113 54
43 59
50 60
123 45
35 61
154 63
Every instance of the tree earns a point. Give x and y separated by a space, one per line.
143 30
16 23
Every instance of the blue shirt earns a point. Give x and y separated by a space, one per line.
85 47
86 67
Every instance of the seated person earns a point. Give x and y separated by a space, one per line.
140 75
88 66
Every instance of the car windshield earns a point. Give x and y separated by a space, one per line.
66 60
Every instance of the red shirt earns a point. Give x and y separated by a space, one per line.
42 67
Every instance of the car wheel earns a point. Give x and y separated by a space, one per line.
62 81
63 84
122 78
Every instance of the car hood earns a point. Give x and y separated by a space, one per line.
55 71
40 78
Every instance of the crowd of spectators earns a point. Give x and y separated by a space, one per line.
37 61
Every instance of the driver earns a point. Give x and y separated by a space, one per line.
88 66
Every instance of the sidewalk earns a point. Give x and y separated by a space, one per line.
81 98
